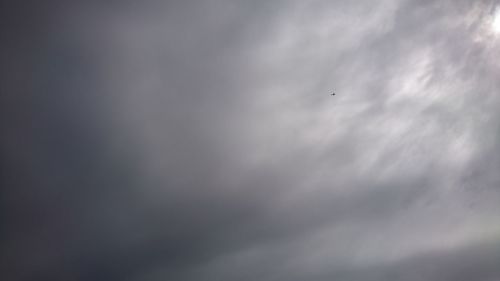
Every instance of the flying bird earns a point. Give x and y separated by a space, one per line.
333 94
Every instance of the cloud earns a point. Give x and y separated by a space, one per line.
198 141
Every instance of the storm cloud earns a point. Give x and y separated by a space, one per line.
197 140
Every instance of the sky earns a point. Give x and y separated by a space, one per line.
198 140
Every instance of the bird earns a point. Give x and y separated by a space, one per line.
333 94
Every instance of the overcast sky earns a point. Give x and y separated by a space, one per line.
198 140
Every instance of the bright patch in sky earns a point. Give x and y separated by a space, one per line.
495 24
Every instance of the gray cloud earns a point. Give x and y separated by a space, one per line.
189 140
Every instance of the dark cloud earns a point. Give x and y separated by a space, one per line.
190 140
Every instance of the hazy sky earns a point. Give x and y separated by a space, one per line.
197 140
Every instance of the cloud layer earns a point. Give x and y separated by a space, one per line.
197 140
